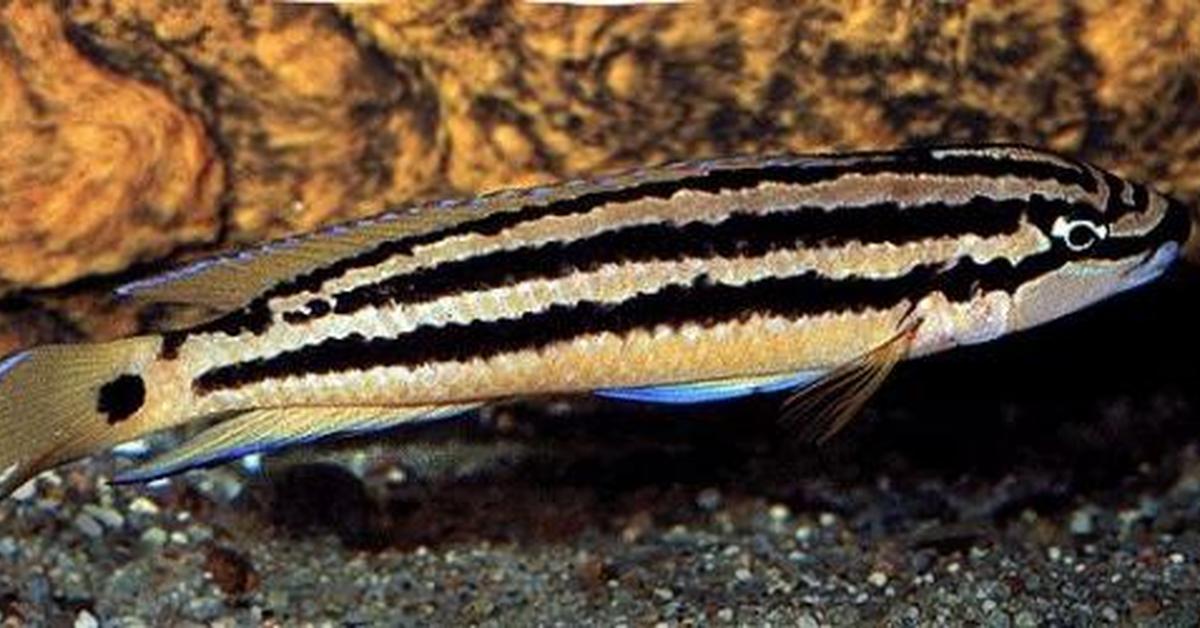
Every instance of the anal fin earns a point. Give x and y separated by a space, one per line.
711 390
822 408
268 429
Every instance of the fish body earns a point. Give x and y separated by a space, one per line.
683 282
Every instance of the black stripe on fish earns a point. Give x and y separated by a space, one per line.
738 235
704 303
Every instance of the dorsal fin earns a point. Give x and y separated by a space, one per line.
230 280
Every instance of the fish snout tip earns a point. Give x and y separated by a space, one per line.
1191 248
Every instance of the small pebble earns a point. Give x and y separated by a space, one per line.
25 492
144 506
107 516
1083 522
807 621
199 534
665 595
878 579
205 608
997 619
709 499
86 620
88 526
132 449
779 513
725 614
154 538
8 548
1054 553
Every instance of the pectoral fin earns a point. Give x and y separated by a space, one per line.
712 390
827 405
269 429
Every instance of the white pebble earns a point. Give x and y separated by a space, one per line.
878 579
86 620
26 491
144 506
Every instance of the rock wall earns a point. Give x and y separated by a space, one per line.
137 133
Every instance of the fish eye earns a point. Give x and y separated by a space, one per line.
1078 234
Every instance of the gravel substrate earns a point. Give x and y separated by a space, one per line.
1050 480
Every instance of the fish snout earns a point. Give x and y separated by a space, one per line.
1191 249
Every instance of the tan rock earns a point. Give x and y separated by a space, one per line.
97 170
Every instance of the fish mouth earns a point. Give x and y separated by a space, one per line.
1151 265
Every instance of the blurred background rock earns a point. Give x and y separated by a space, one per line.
136 133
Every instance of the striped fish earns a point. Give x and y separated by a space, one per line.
677 284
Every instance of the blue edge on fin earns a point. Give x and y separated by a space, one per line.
716 390
9 363
151 472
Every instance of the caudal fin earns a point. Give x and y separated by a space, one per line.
57 403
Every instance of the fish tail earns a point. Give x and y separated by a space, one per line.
61 402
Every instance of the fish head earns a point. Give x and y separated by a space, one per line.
1099 251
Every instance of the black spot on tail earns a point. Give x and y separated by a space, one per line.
120 398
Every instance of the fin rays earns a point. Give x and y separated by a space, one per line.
822 409
267 429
